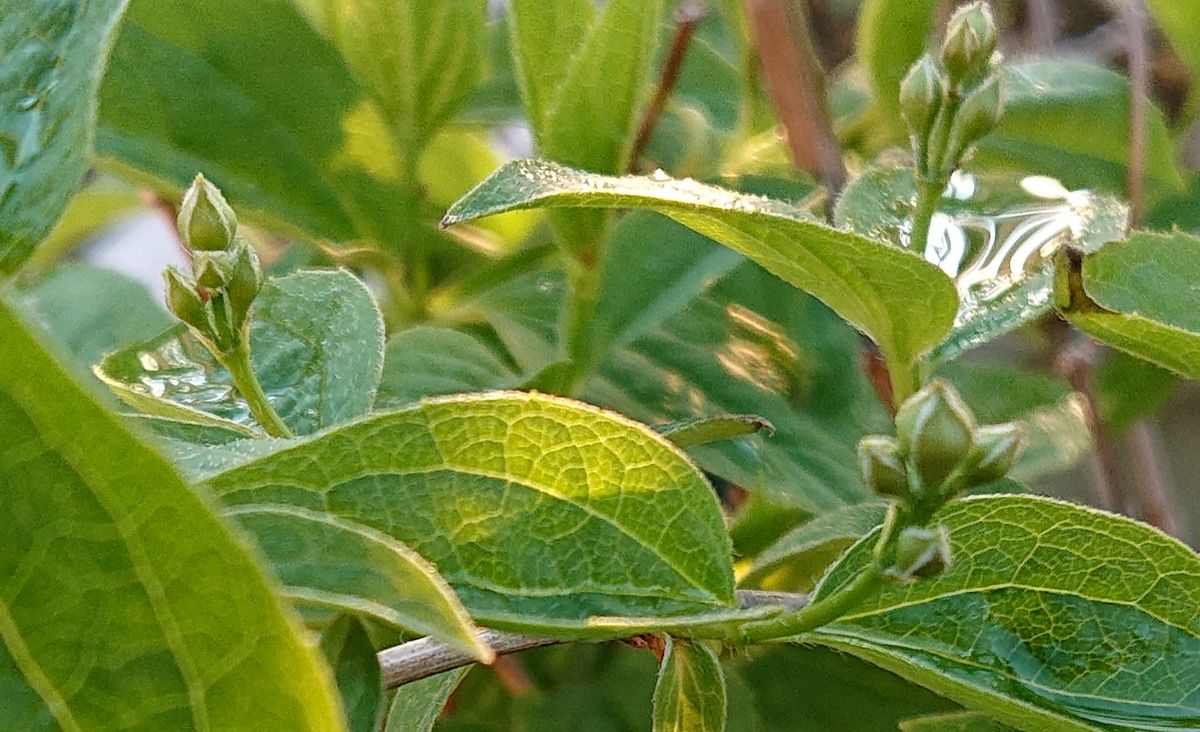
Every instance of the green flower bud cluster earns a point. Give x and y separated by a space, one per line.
951 100
937 453
226 275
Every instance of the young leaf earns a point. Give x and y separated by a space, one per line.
953 722
417 706
1070 119
316 343
690 693
356 669
51 59
192 87
703 430
1138 295
995 234
1051 616
420 58
891 36
425 361
902 302
584 75
540 512
126 601
797 560
325 560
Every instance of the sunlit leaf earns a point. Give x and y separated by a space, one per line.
690 693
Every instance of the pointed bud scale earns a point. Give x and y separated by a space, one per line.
935 429
979 114
206 222
882 467
921 94
183 301
212 270
969 44
245 282
996 449
922 552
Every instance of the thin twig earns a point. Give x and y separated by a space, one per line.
1151 479
512 676
1137 47
796 82
687 20
1076 362
426 657
1043 24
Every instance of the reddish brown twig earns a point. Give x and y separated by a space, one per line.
1133 17
687 20
796 82
1076 362
1151 479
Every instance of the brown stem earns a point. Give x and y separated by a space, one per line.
687 20
796 82
1075 362
512 675
1043 24
426 657
1133 17
1151 479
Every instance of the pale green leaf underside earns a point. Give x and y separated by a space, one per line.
953 722
703 430
325 560
124 601
417 706
192 87
804 552
316 341
52 55
903 303
1052 616
690 693
540 512
1140 295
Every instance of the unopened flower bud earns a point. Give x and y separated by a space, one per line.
921 95
183 300
212 270
969 44
996 449
206 222
245 282
935 427
922 552
979 115
882 467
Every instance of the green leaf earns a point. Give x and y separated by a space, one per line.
425 361
325 560
92 311
995 234
1138 295
52 57
690 693
316 341
1052 616
418 705
584 75
903 303
1128 389
126 601
798 559
703 430
892 34
192 87
952 722
359 678
420 58
539 511
1070 119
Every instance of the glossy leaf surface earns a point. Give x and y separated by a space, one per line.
540 512
316 342
900 301
690 693
126 601
52 55
304 147
333 562
1052 616
1139 295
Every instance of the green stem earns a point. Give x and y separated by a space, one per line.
583 280
822 612
904 378
929 195
237 362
